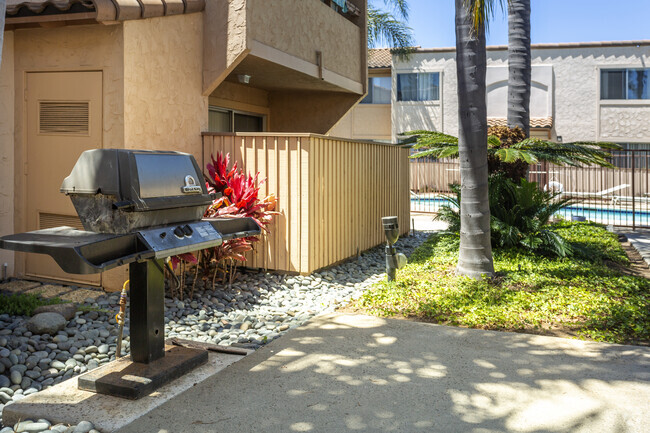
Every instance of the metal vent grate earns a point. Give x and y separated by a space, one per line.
51 220
64 117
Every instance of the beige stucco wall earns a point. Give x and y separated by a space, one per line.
280 24
74 48
241 97
365 122
308 111
163 103
7 148
225 41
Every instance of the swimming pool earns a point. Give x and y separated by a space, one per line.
623 217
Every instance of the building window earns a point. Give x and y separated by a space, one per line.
224 120
640 152
418 87
378 91
624 84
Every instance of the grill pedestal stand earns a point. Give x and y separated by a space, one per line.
152 364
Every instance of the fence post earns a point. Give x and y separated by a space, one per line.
633 192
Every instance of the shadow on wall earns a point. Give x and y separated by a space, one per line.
356 373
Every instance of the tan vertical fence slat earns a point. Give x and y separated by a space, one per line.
303 150
331 194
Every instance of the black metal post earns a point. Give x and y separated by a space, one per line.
633 192
391 262
147 311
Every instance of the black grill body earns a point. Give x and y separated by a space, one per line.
137 207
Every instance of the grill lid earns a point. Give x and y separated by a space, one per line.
139 180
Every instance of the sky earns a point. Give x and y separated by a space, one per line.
432 21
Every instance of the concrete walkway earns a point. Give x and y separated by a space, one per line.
349 373
639 239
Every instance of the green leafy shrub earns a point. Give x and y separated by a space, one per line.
571 296
520 216
22 304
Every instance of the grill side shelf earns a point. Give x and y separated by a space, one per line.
234 228
80 252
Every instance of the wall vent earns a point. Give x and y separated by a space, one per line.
57 117
51 220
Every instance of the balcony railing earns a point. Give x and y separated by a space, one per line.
345 8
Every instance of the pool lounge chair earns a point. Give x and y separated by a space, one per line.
606 193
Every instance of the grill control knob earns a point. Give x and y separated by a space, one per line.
178 231
187 230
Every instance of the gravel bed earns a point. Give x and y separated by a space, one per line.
256 309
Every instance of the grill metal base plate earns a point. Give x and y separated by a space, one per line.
133 380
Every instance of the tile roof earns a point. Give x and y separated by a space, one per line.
379 58
106 10
535 122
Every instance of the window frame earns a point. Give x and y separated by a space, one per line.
626 89
390 91
418 72
231 113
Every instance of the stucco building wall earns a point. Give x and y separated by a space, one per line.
86 48
163 103
575 105
225 41
276 22
7 93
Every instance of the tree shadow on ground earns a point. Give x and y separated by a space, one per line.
346 373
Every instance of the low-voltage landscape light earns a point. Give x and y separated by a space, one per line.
394 260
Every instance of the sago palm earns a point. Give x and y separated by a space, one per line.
520 215
528 150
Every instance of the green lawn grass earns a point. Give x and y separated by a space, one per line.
579 296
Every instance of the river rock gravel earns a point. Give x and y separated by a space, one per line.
256 309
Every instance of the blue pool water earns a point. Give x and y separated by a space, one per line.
591 213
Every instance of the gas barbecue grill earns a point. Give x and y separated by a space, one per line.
137 208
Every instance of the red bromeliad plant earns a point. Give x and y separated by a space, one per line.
239 199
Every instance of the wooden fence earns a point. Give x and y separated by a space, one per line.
331 194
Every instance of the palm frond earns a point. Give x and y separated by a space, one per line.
481 11
432 144
508 154
400 7
385 29
572 154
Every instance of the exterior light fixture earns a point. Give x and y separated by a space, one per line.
394 260
243 78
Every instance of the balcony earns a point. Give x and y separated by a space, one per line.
303 60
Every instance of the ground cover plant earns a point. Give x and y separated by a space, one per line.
579 296
23 304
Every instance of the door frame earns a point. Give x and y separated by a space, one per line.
21 165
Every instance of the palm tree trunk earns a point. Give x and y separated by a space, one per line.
475 255
519 64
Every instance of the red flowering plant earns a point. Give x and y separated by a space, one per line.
239 199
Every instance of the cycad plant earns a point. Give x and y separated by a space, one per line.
520 215
514 152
